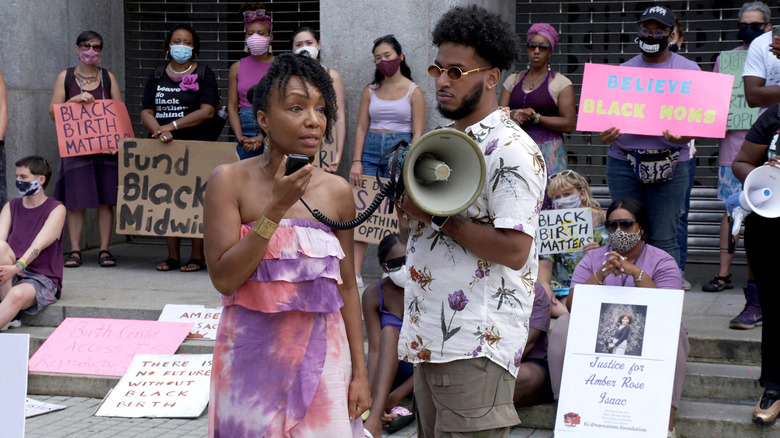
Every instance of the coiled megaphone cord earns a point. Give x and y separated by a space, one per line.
362 217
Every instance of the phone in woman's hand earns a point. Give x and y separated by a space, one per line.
295 162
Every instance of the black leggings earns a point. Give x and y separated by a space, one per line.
762 242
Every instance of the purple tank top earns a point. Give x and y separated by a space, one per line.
386 318
391 115
26 223
542 102
250 72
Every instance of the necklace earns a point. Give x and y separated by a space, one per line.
533 82
86 80
179 72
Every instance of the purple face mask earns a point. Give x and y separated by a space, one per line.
388 68
89 57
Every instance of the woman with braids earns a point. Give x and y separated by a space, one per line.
288 359
392 108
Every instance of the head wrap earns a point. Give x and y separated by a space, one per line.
263 19
546 31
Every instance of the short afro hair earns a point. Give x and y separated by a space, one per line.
306 69
474 26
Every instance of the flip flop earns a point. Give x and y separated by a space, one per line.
200 266
106 259
72 258
169 264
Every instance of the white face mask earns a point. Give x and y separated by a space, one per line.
308 50
399 277
572 201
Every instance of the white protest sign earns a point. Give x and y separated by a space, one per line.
205 320
564 230
13 383
628 392
34 407
168 386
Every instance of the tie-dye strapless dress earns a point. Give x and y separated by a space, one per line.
282 365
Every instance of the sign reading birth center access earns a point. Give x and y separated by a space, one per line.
382 222
162 187
647 101
618 369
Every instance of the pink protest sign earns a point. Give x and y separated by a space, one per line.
648 101
105 346
91 128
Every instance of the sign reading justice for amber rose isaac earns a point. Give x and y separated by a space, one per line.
648 101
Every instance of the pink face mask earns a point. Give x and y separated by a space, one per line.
388 68
89 57
258 45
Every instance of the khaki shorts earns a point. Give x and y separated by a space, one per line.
464 398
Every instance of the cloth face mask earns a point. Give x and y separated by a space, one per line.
400 277
89 57
623 242
309 51
27 188
258 45
572 201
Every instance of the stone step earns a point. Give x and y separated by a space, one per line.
731 383
712 341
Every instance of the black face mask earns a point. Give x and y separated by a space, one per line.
652 47
748 35
674 48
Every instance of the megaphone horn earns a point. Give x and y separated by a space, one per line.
762 191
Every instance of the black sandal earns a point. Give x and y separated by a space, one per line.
107 260
73 259
200 265
170 264
715 284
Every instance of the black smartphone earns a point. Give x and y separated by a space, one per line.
295 162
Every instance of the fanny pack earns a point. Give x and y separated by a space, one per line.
653 166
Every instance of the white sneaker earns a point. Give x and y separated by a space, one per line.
14 323
686 285
359 280
672 433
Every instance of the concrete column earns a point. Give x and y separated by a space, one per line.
348 31
38 41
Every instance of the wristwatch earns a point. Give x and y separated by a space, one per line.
438 221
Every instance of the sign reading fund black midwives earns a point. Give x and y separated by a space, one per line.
162 187
91 128
648 101
565 230
618 370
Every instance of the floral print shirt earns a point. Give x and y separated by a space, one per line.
457 305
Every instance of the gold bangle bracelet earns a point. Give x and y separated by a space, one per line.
265 227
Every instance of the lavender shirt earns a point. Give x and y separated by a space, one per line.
540 320
629 142
658 265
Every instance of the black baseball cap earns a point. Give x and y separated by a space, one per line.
660 14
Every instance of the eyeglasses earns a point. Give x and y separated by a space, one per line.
390 35
454 73
542 46
626 225
395 264
658 33
87 46
755 26
252 15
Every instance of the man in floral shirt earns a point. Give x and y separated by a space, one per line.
472 275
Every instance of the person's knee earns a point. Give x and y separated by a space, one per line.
21 296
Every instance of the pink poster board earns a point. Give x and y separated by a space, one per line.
105 346
648 101
91 128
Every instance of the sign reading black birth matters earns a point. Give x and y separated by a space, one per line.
564 230
382 222
162 187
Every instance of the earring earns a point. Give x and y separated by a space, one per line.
246 48
270 49
548 67
528 66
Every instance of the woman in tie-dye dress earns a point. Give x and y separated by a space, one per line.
288 361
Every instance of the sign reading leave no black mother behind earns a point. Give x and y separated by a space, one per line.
162 187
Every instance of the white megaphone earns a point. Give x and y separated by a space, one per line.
443 172
760 195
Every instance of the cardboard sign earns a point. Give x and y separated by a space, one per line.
170 386
91 128
648 101
382 222
105 346
161 186
13 383
741 116
619 389
326 154
204 321
565 230
33 408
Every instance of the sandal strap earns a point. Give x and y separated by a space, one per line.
726 279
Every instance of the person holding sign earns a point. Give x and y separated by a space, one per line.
306 40
627 261
392 109
662 191
288 360
245 74
181 97
87 181
568 189
30 244
541 99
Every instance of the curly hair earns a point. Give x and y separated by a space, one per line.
625 315
307 70
474 26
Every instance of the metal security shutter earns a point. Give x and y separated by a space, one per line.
603 32
221 32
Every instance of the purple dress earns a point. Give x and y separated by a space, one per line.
282 365
87 181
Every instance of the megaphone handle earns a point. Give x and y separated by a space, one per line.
732 244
